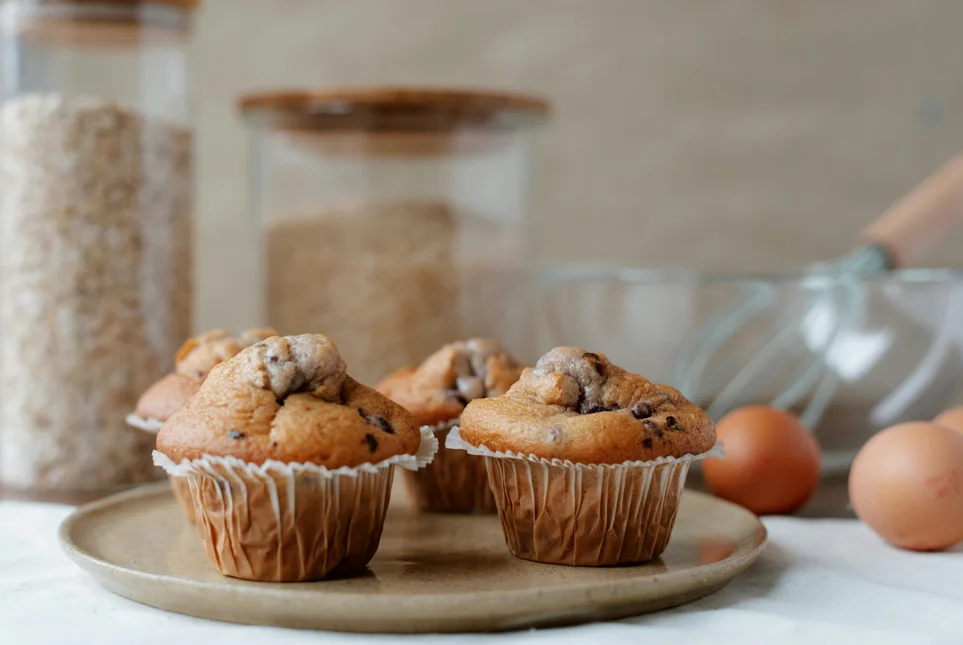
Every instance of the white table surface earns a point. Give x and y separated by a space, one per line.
819 581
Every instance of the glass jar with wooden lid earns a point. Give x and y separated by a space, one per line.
395 219
96 233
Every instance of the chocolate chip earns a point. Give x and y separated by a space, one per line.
372 442
652 427
592 355
273 359
646 443
381 422
672 424
375 420
234 434
641 410
595 409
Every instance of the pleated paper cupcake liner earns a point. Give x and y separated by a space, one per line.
182 493
179 485
559 512
293 522
147 425
455 482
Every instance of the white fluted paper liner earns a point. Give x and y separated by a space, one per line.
455 442
147 425
205 465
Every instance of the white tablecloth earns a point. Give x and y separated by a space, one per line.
819 581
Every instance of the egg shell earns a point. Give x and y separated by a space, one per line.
952 418
771 463
906 483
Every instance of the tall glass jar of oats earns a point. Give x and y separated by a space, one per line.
395 219
96 277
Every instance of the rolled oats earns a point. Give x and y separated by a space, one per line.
96 285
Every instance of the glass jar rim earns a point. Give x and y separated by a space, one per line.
418 109
923 276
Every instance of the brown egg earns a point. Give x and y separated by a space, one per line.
952 418
906 483
771 463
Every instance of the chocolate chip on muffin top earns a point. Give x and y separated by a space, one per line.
289 399
440 388
194 360
576 405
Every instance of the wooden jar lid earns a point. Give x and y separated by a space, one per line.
180 4
394 109
93 23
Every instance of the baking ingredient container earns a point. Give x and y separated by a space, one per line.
395 220
95 234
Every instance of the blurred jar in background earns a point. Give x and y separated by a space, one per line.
96 233
395 220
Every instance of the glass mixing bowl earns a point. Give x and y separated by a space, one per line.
850 356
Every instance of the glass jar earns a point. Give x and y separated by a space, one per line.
96 234
395 220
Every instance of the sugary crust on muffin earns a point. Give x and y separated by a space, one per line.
194 361
289 399
578 406
440 388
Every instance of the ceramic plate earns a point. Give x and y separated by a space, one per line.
432 573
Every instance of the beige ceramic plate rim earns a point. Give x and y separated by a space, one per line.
714 576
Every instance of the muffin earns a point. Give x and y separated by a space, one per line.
193 362
289 461
586 461
436 393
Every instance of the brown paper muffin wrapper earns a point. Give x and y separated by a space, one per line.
293 522
179 485
559 512
455 482
182 493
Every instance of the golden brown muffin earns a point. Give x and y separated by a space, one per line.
279 441
584 484
194 360
164 397
289 399
440 388
435 393
576 405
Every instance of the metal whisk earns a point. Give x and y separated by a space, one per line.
834 302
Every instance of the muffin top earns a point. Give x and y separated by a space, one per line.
194 360
440 388
576 405
288 399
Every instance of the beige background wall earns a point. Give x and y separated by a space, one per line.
735 135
